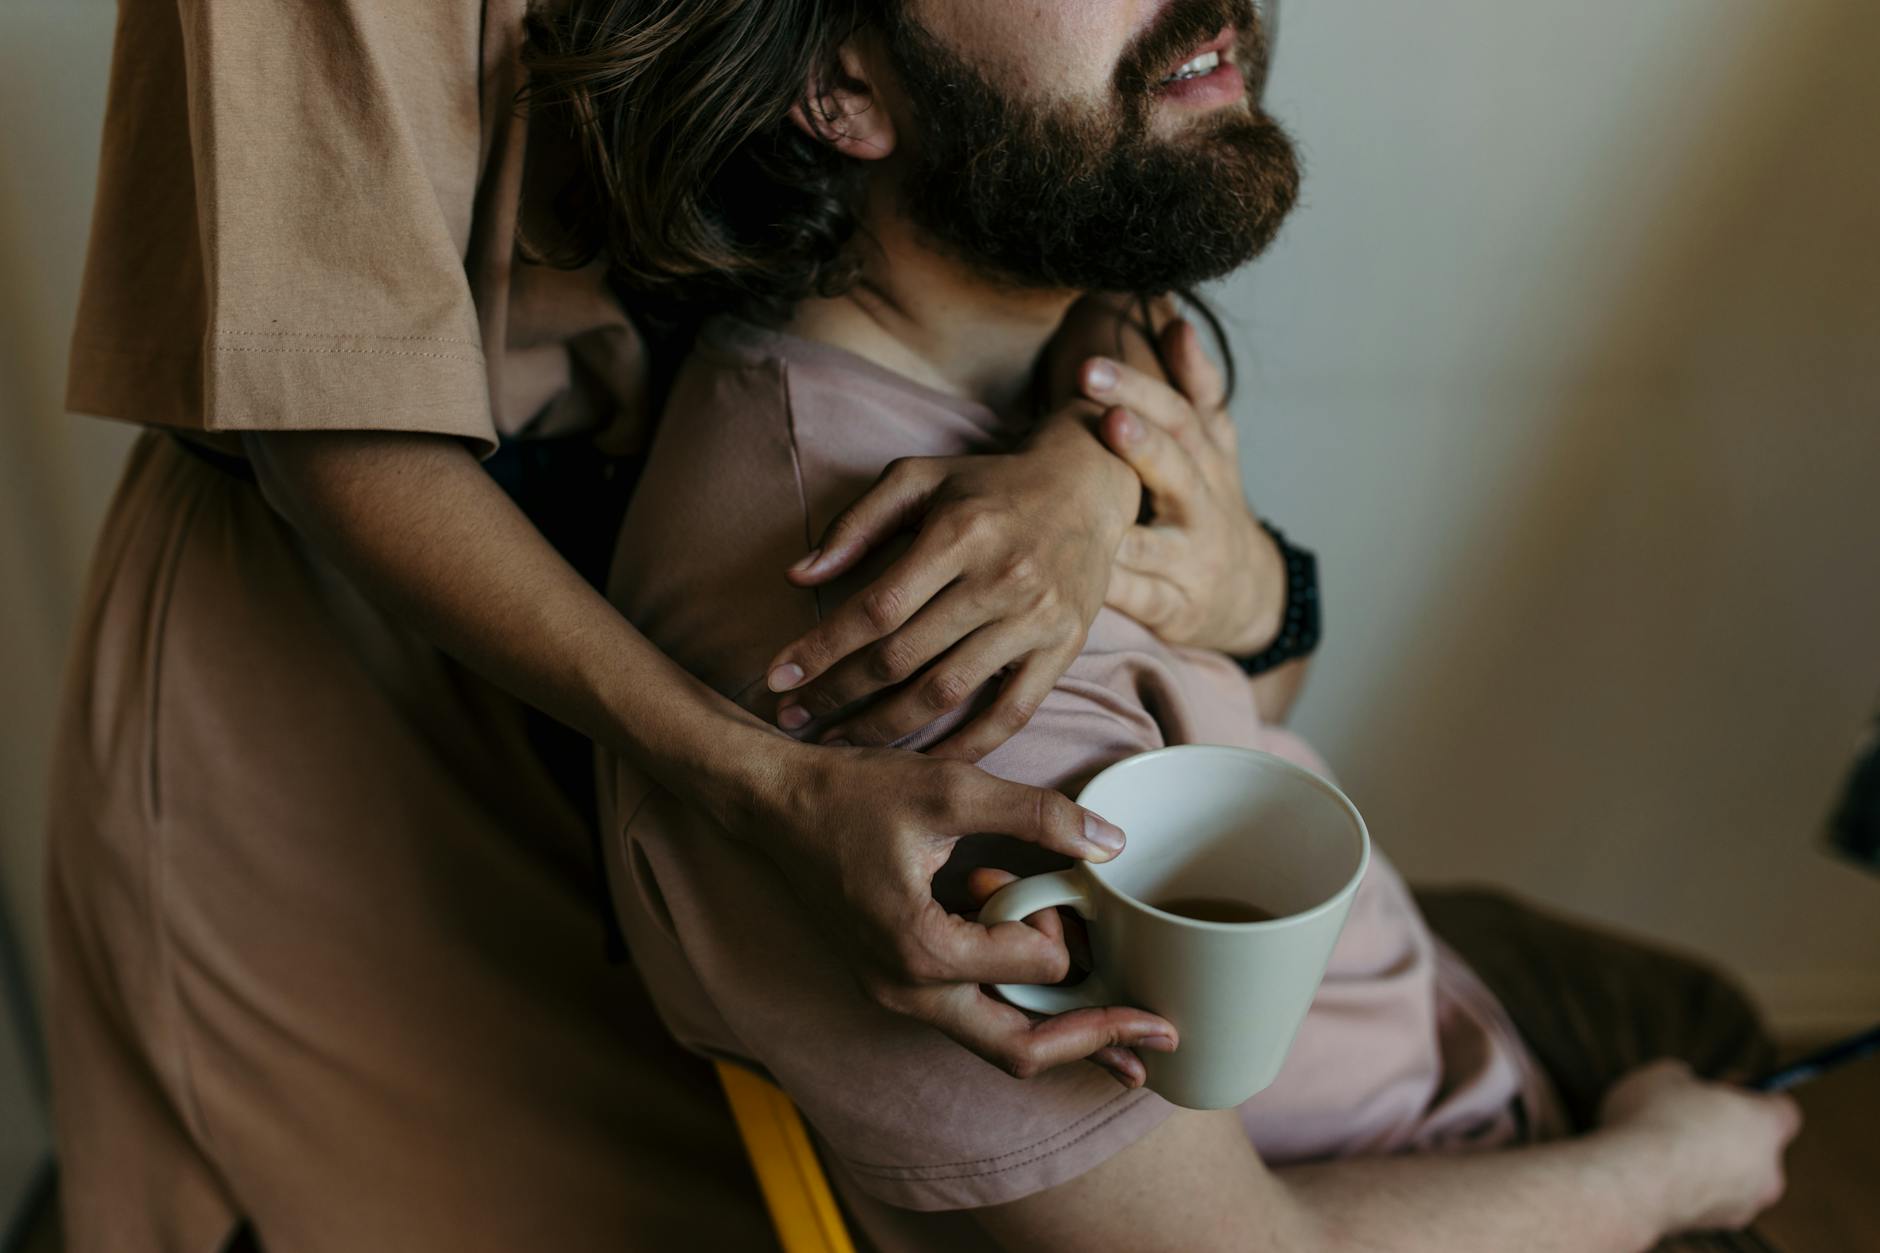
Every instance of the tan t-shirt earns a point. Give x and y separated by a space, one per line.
306 219
1404 1047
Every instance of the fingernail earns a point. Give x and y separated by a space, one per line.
837 743
1157 1043
1101 376
785 677
807 560
1127 428
1103 836
791 717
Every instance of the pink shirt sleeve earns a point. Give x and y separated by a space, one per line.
752 460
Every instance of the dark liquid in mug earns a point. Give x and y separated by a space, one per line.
1215 909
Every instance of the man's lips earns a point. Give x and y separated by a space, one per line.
1221 42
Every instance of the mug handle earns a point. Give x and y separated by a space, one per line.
1017 901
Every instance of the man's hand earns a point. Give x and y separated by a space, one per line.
1009 566
1718 1148
1202 571
860 834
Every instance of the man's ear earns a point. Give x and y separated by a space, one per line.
848 114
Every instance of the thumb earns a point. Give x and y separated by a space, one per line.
1039 816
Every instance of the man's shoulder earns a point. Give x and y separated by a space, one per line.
717 516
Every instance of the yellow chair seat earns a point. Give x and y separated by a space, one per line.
802 1208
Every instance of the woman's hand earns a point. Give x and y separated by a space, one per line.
1117 1057
1010 564
1016 552
860 834
1201 571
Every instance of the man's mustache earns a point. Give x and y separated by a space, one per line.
1184 26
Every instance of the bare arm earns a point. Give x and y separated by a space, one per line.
1196 1184
417 524
1673 1154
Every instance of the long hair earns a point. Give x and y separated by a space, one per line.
694 185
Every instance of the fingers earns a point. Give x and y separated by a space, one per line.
1195 375
1034 814
1021 1047
1019 698
984 882
952 621
1149 599
870 614
1123 1064
1165 467
1148 549
1011 952
897 498
1788 1114
1110 382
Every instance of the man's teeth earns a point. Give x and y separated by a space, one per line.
1203 64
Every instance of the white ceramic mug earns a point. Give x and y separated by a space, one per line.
1208 821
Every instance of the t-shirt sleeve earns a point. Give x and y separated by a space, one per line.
741 970
285 202
739 967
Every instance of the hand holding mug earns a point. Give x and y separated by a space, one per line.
1219 916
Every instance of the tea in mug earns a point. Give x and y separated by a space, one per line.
1215 909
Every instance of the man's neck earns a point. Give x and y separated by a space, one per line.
924 315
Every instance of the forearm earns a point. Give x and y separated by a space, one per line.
414 521
1196 1184
1275 692
1589 1195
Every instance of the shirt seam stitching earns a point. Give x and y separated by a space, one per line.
796 469
426 339
368 352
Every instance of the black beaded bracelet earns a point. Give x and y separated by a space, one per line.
1299 628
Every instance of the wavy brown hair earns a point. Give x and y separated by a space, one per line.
694 185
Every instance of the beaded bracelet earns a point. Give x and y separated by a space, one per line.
1299 629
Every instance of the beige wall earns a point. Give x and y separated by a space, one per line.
1571 367
1566 367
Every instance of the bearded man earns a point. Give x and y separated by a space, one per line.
869 219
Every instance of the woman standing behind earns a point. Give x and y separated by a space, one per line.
325 957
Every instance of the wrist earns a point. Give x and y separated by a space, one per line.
694 741
1069 434
734 774
1260 624
1638 1167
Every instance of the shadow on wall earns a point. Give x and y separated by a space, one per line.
1702 534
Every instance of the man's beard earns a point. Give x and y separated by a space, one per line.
1066 197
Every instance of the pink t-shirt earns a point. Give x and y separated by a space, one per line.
766 437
